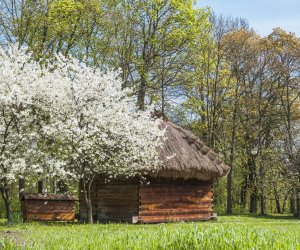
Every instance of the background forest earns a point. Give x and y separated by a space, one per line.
212 74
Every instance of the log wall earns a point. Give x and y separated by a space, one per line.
112 202
175 202
162 200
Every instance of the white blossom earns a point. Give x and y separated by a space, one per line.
97 125
70 121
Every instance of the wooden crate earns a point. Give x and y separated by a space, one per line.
48 207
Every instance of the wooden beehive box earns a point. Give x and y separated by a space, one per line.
48 207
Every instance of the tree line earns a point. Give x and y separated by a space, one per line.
212 74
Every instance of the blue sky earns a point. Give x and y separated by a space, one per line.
263 15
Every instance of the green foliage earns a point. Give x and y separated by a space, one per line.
63 14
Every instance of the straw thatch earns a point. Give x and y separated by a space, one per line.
185 156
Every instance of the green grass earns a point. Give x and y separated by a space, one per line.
228 232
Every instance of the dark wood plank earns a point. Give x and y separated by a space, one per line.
50 216
161 206
174 218
175 212
174 199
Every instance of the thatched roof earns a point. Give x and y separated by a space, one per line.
185 156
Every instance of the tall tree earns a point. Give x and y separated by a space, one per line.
285 68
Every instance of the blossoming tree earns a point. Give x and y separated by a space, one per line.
23 86
98 129
70 120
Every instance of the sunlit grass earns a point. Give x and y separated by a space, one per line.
228 232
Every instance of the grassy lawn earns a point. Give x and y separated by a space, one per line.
228 232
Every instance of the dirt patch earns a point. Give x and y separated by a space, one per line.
15 236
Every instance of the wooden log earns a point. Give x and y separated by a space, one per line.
50 205
182 185
113 196
48 210
197 193
174 199
117 214
166 181
50 216
174 187
117 207
174 218
47 202
102 187
175 212
161 206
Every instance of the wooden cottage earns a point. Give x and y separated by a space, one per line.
48 207
181 190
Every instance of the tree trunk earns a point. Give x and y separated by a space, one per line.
252 182
262 190
298 205
229 176
141 94
277 201
21 186
292 203
263 204
253 202
244 195
87 199
62 187
284 203
40 187
54 187
278 208
231 157
8 210
271 205
162 86
89 208
229 193
6 195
